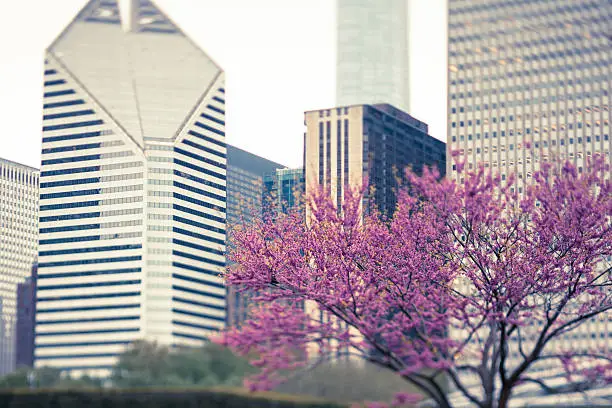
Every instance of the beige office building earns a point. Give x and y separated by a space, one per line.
18 247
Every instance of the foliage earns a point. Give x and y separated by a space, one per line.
46 377
160 398
465 278
348 380
147 364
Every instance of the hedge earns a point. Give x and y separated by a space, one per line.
156 398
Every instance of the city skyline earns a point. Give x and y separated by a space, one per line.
288 74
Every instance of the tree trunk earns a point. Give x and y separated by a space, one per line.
504 397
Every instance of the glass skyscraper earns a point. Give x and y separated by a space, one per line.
284 191
18 246
372 52
133 189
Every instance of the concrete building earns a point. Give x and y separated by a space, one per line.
18 247
346 145
372 53
26 320
133 189
539 74
530 71
245 172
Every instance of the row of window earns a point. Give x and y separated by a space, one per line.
196 235
200 315
89 308
197 258
198 213
74 136
80 204
193 325
73 125
210 140
198 292
62 104
198 191
198 247
89 261
199 180
199 169
111 213
105 190
579 140
90 250
198 224
83 112
83 332
84 297
89 169
90 320
198 157
195 303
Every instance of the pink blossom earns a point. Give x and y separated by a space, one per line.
473 260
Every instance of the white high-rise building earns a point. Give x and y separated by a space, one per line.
372 53
18 247
133 189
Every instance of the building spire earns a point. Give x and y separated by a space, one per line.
128 9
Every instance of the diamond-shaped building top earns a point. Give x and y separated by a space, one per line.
137 64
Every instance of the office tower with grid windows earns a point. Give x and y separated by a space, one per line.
347 145
245 173
530 81
133 189
528 72
18 247
372 52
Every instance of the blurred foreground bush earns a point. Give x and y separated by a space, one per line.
160 398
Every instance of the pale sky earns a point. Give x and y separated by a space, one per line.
278 56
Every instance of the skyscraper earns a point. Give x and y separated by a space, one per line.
372 53
529 81
346 145
133 189
528 72
245 172
18 246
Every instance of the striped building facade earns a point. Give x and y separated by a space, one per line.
133 189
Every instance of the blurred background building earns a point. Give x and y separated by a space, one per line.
245 173
524 73
26 320
283 191
372 53
529 81
18 247
133 189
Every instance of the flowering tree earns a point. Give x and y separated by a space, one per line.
465 280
